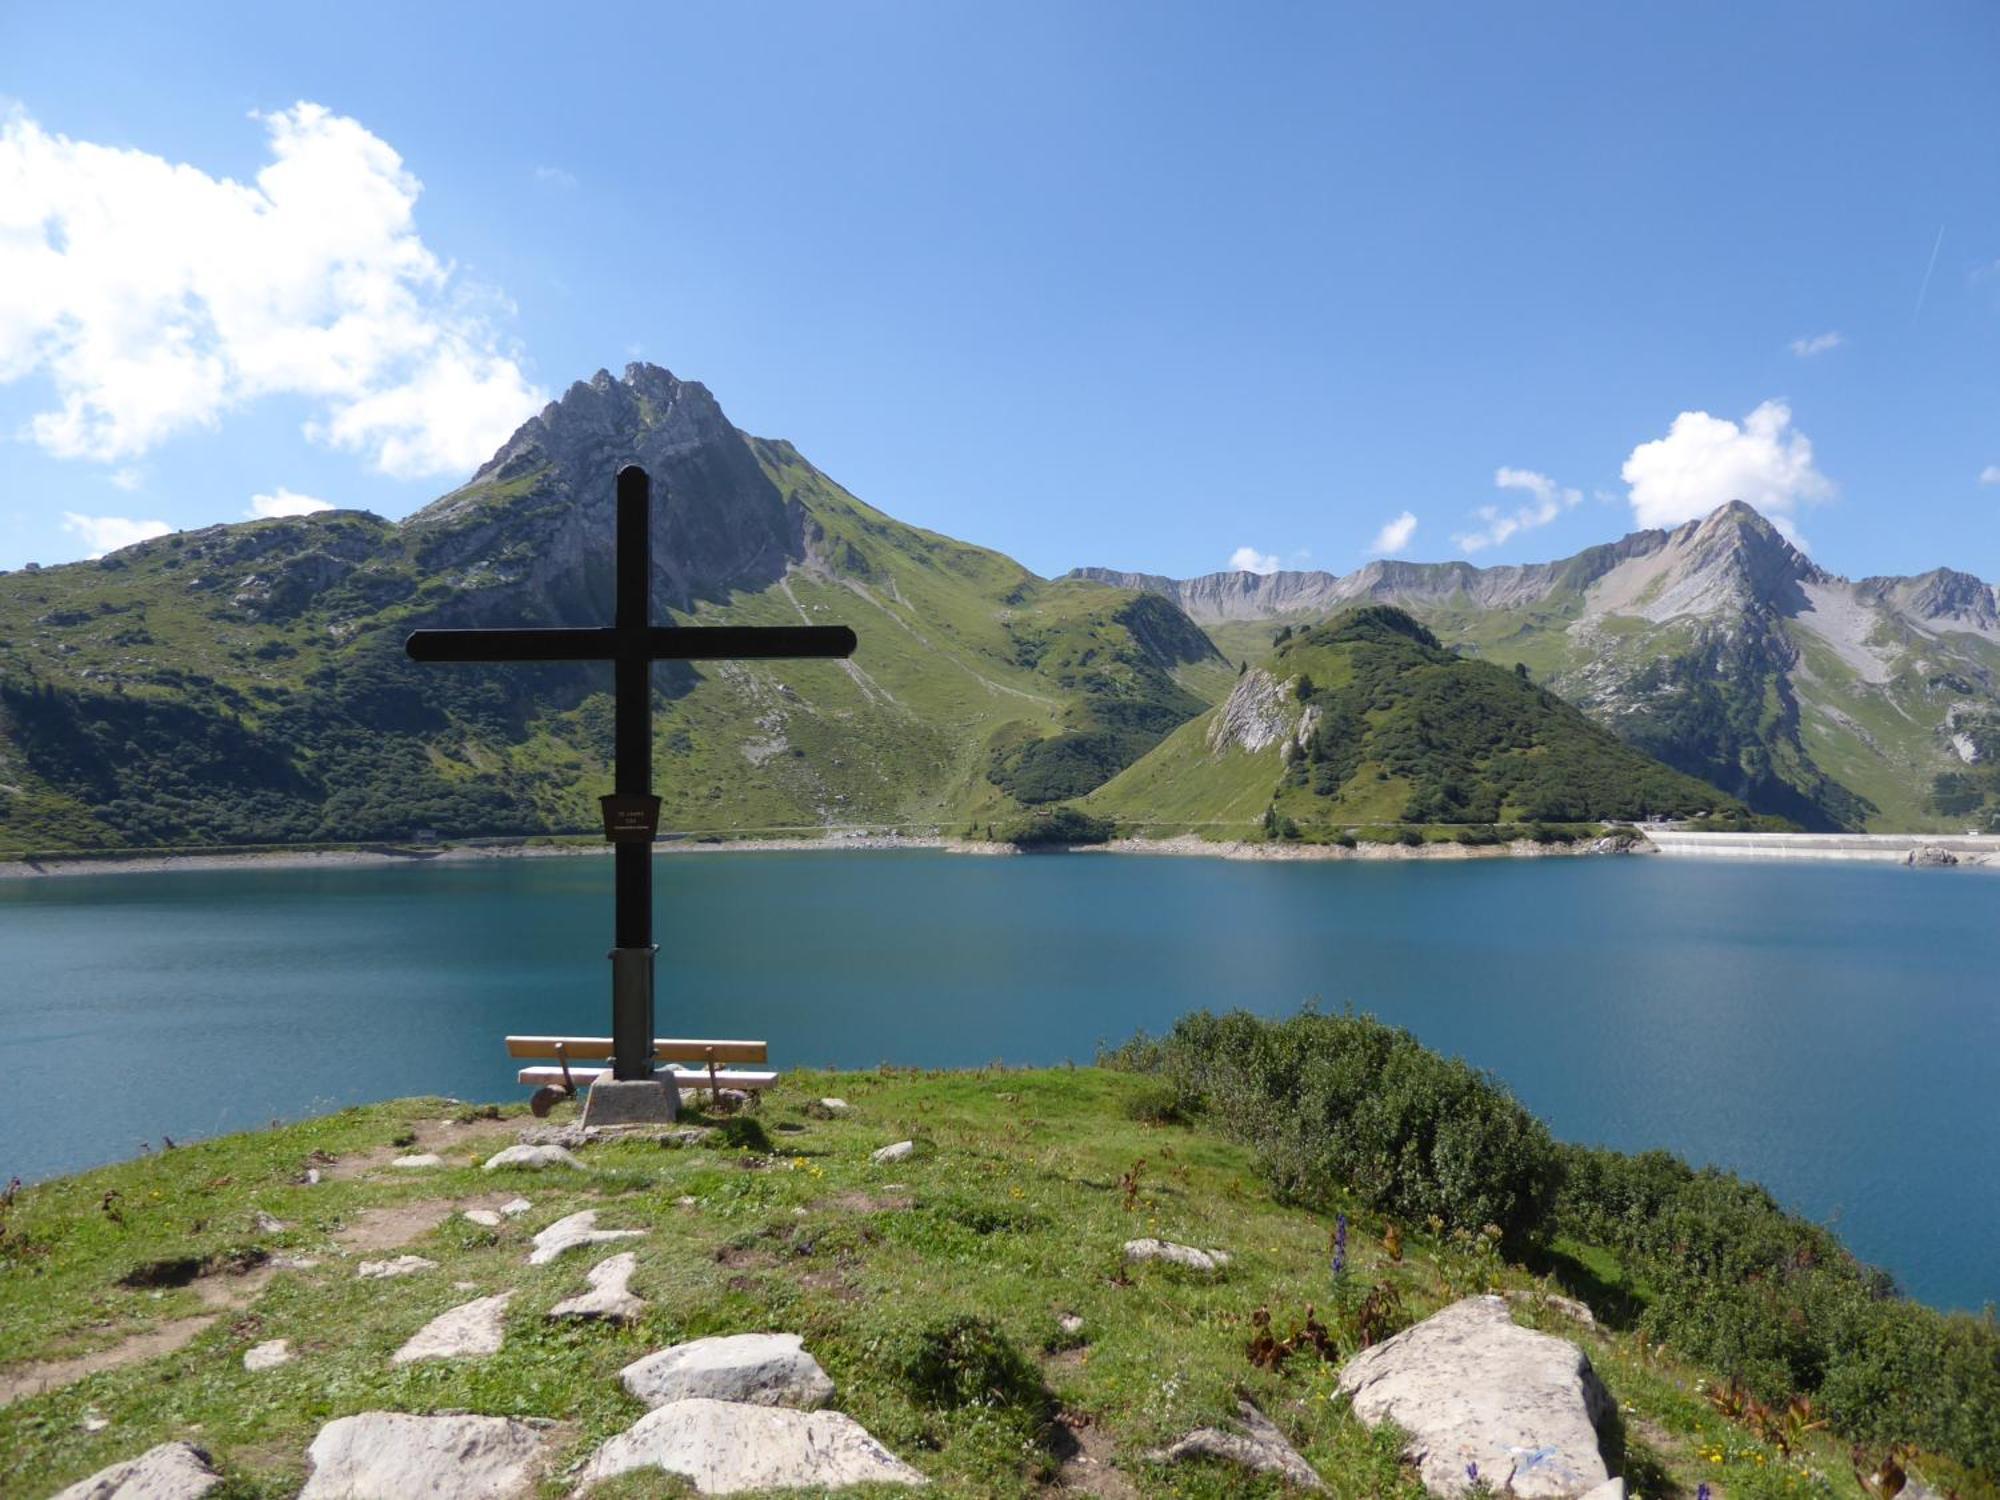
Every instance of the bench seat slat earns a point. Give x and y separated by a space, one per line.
687 1078
682 1049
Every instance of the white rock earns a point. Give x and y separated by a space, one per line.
1070 1323
172 1471
515 1206
485 1216
534 1158
312 1177
293 1262
422 1159
473 1328
268 1225
901 1151
609 1299
1177 1255
726 1448
387 1455
1470 1386
1260 1447
763 1369
1569 1307
834 1106
93 1420
268 1355
577 1229
402 1265
1614 1489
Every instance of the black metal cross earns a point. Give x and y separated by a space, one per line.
632 812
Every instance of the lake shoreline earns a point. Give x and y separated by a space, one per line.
1183 846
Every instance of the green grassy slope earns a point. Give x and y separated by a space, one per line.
1011 1215
1369 720
245 685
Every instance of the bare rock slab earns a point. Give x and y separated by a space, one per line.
889 1155
727 1448
609 1300
1260 1447
485 1218
566 1234
386 1455
762 1369
1176 1255
515 1206
467 1331
172 1471
533 1158
418 1162
402 1265
1472 1387
268 1355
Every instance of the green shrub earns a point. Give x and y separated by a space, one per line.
967 1361
1345 1102
1054 826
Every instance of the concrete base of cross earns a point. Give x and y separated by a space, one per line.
632 1101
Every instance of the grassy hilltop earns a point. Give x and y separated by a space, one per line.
933 1290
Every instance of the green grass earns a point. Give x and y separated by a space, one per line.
1013 1211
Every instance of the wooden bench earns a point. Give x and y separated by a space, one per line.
706 1056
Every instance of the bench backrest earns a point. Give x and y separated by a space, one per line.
665 1049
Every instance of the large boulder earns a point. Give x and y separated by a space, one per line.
727 1447
764 1369
172 1471
388 1455
1485 1400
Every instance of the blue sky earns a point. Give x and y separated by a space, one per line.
1148 285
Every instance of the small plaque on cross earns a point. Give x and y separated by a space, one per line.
630 817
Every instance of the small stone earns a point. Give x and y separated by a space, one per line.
465 1286
1261 1448
577 1229
94 1420
1070 1323
901 1151
293 1262
172 1471
268 1225
402 1265
726 1448
686 1200
385 1455
1614 1489
472 1329
1569 1307
834 1106
534 1158
515 1206
762 1369
423 1159
1176 1255
484 1216
608 1300
268 1355
312 1177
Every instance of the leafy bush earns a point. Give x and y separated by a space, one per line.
1051 827
967 1361
1345 1102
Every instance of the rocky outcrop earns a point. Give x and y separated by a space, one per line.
1260 1448
1256 715
609 1299
1486 1401
172 1471
763 1369
576 1230
1185 1256
386 1455
466 1332
728 1448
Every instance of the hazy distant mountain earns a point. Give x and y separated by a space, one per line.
246 683
1718 647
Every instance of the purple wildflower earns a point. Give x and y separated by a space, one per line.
1701 1492
1472 1473
1339 1246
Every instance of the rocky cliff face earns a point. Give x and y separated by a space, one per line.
532 530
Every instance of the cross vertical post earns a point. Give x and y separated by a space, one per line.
633 952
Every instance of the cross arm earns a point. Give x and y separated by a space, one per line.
654 643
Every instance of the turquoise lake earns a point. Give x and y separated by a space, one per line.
1833 1032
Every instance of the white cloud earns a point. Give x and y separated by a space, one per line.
1818 343
104 534
1705 461
284 502
127 479
1250 560
1990 474
156 298
555 177
1548 501
1395 535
